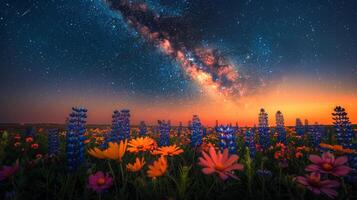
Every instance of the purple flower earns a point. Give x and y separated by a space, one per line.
99 182
8 171
328 164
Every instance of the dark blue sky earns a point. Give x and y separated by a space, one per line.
82 47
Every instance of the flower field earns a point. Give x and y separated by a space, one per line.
121 161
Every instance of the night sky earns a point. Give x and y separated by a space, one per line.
299 57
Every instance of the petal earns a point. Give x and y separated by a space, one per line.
315 159
329 184
329 192
312 168
341 160
208 170
230 160
341 170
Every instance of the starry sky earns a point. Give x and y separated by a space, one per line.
299 57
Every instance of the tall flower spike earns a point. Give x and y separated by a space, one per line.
315 135
164 129
299 128
227 138
263 129
53 141
280 127
75 148
124 125
143 128
344 132
196 132
249 142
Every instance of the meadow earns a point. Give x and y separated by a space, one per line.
78 161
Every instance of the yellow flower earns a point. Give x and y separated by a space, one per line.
141 144
137 166
114 151
96 152
158 168
168 150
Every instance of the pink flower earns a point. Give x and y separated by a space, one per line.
314 183
328 164
223 164
8 171
99 182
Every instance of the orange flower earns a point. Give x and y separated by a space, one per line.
17 144
158 168
137 166
216 162
141 144
114 151
29 139
34 146
168 150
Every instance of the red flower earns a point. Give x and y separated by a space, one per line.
34 146
29 139
223 164
8 171
314 183
328 164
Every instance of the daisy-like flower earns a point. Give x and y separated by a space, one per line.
168 150
137 166
328 164
8 171
99 182
314 183
141 144
158 168
221 163
114 151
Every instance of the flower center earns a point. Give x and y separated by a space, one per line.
327 167
219 167
314 181
100 181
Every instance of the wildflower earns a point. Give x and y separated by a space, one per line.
227 138
328 164
196 132
53 142
143 128
314 183
280 127
34 146
168 150
17 137
38 156
114 151
141 144
29 140
8 171
137 166
220 163
263 129
17 144
99 182
164 128
298 154
158 168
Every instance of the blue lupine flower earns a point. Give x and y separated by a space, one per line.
124 125
227 138
263 129
53 141
280 127
249 142
164 129
344 132
315 135
196 131
75 149
143 128
299 129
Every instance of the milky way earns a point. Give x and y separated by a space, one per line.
207 66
